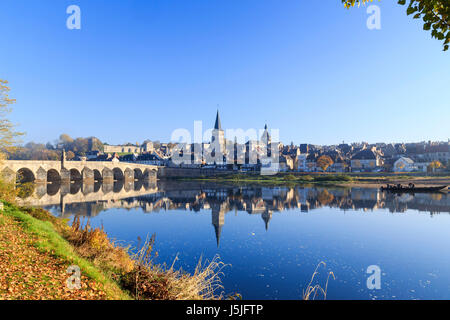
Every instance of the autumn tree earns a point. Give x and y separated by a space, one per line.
434 165
70 155
95 144
324 162
8 138
434 13
65 139
8 135
79 146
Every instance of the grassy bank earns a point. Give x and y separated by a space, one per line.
320 179
36 249
279 179
36 257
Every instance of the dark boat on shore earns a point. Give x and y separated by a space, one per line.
412 189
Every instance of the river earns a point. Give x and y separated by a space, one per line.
272 238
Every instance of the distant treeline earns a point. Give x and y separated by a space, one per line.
52 151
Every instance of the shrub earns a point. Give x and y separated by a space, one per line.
93 244
8 192
25 190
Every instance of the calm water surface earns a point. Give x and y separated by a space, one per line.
273 238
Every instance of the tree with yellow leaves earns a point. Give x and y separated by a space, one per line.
8 136
434 13
435 165
324 162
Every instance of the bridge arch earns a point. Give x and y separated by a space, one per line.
97 176
25 175
75 187
97 186
138 174
138 183
118 174
53 176
75 175
118 185
53 188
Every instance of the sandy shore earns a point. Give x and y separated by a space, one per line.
418 182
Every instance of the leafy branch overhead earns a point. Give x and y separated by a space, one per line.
434 13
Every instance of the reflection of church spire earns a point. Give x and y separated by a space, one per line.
267 216
218 220
218 230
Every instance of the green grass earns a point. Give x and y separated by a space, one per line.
328 179
52 242
279 179
122 275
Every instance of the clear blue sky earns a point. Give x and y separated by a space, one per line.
140 69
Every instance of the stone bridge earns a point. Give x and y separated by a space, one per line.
71 171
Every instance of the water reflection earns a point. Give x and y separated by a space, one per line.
91 199
88 194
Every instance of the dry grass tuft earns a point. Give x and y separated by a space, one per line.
312 291
93 244
149 281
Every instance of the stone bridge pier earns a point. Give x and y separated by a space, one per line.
43 172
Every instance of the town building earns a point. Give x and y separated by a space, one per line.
147 146
404 164
366 160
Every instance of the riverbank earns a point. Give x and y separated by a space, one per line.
342 180
36 250
34 259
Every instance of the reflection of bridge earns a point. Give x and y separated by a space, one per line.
69 193
64 171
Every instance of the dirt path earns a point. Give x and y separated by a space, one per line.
26 273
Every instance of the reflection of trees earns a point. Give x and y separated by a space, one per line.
257 200
25 190
324 197
436 196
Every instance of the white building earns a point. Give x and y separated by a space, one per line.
404 164
301 162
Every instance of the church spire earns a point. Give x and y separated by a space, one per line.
218 125
266 135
